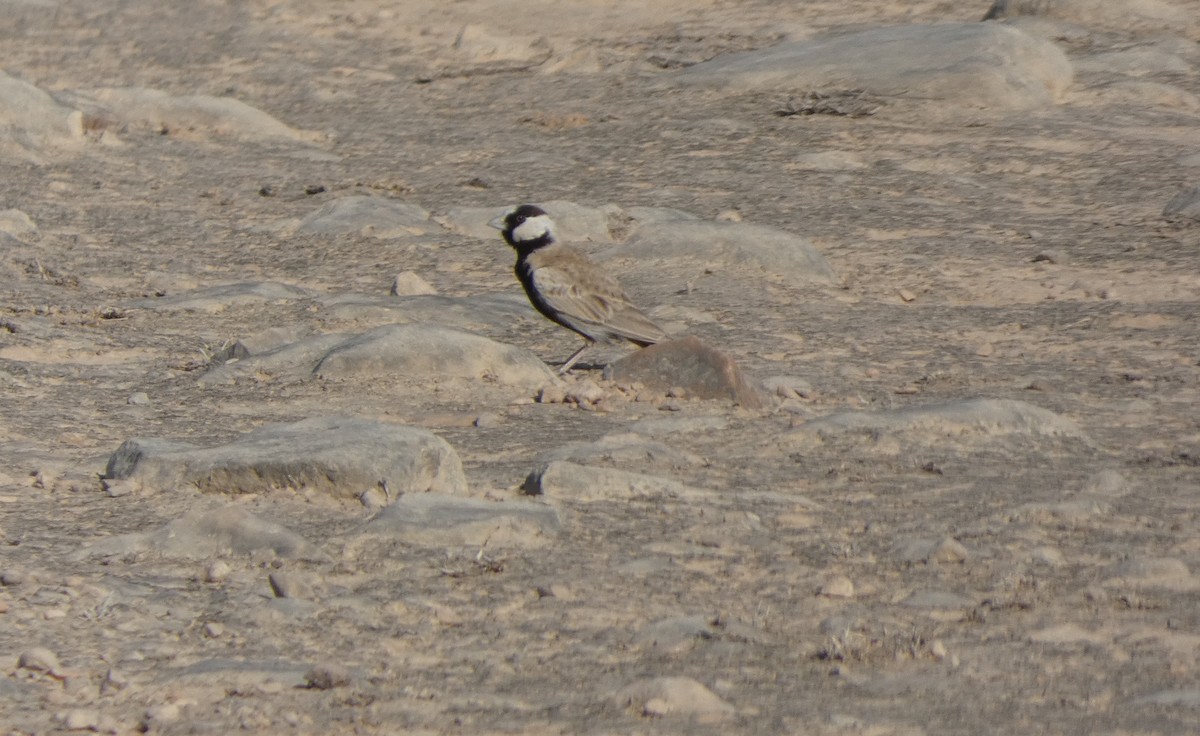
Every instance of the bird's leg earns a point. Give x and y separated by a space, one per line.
574 357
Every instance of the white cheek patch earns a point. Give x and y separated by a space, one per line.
533 229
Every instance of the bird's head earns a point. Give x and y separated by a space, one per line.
525 228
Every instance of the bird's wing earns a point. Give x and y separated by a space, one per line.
596 302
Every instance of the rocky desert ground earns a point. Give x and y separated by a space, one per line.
282 446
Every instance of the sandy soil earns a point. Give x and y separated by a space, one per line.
856 582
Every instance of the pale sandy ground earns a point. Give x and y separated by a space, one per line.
866 582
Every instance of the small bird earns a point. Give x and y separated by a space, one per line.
570 289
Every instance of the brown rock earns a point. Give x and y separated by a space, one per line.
701 371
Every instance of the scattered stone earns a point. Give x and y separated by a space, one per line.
287 585
488 420
291 362
584 393
199 534
431 519
408 283
1152 572
195 115
788 387
703 372
34 124
1071 514
335 455
552 393
626 450
1185 205
82 719
584 483
216 299
1107 484
18 224
471 313
982 417
949 550
829 161
139 398
214 630
217 571
113 682
479 44
374 498
327 677
433 352
1048 556
837 586
730 245
960 63
679 634
672 696
374 217
158 716
1055 256
937 599
40 659
12 577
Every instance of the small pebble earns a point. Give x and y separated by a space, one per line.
214 630
158 715
113 682
12 577
327 677
39 659
217 571
906 295
838 586
82 719
585 392
141 398
285 585
552 394
408 283
373 498
488 420
949 550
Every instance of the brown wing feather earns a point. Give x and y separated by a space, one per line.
583 293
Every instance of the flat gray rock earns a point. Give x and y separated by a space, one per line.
433 352
729 245
702 371
292 361
222 532
659 697
462 312
982 417
568 481
336 455
433 519
192 115
370 216
958 63
16 223
33 123
1185 205
214 299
